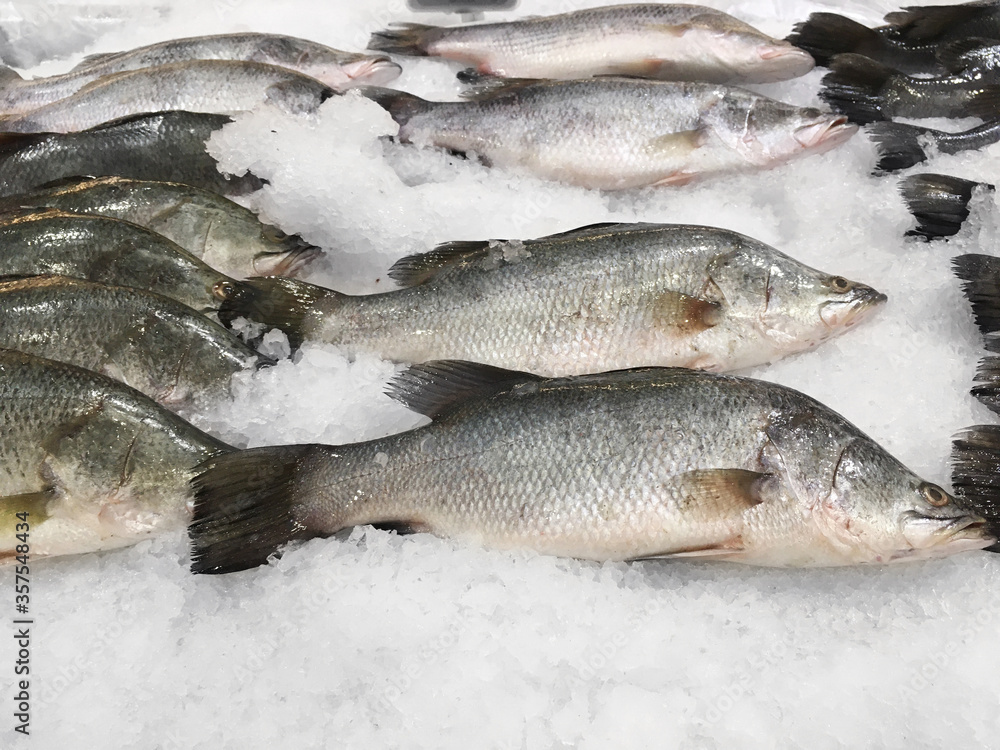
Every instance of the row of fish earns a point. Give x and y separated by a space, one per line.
643 462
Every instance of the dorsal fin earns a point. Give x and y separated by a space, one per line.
62 182
93 59
592 230
417 269
490 87
434 388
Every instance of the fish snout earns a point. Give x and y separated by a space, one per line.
854 306
824 133
289 262
785 61
956 529
372 71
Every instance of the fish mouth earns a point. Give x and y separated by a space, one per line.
843 313
287 263
825 133
371 71
952 534
784 61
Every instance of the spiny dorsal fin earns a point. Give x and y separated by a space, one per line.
417 269
491 87
94 59
434 388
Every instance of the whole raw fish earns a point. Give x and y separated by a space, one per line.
616 134
337 69
624 465
597 298
664 41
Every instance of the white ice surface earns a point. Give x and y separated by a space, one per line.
416 642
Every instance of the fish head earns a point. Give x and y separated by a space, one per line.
888 510
790 305
338 70
766 132
752 57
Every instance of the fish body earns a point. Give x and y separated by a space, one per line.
94 463
160 347
206 86
597 298
867 91
663 41
166 146
108 251
616 133
337 69
224 234
618 466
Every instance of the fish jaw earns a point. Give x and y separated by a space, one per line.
863 301
827 132
780 62
931 537
290 263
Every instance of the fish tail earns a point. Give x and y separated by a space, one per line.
898 145
825 35
987 378
984 103
981 277
922 24
406 39
975 473
401 105
244 508
276 301
938 202
854 87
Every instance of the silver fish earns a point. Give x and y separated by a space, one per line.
620 466
597 298
159 146
169 352
664 41
616 134
206 86
337 69
93 463
224 234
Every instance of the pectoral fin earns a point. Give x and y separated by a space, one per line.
685 315
720 492
675 145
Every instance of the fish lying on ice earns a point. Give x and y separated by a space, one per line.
169 352
939 203
95 464
664 41
596 298
108 251
205 86
337 69
618 466
166 146
616 133
867 91
224 234
901 145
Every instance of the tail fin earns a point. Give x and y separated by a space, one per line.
8 76
925 24
406 39
988 380
854 86
401 105
277 302
981 274
244 508
825 35
898 145
975 474
939 203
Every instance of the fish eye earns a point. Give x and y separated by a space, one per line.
273 234
934 495
840 284
223 289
